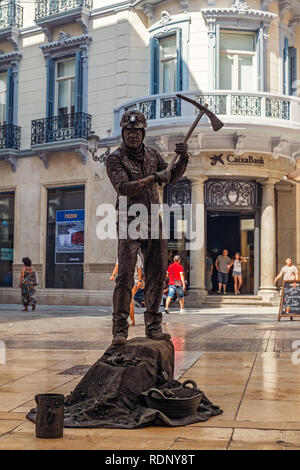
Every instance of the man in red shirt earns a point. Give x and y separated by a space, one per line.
176 283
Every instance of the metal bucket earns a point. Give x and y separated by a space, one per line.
50 415
175 403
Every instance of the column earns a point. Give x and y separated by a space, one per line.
297 231
267 289
197 291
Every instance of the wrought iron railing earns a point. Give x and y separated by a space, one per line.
44 8
11 15
233 105
60 128
10 136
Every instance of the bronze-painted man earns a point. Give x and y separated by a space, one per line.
135 170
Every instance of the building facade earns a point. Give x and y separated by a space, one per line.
71 67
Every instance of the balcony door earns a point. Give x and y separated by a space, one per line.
3 92
168 64
238 61
65 87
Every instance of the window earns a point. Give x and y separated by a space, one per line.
65 87
238 61
65 238
289 62
7 202
168 64
292 71
3 91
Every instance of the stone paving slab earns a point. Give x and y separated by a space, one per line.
242 360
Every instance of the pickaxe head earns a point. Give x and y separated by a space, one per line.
216 123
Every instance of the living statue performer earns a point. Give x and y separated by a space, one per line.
134 171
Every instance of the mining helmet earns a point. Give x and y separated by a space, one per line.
133 118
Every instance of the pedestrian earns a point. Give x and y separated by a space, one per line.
223 264
209 271
237 272
177 285
28 281
138 282
289 271
135 171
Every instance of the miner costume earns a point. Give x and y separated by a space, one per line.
135 173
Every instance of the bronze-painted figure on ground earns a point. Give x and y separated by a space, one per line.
135 170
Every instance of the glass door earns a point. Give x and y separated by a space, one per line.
247 225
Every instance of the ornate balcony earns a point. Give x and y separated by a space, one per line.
11 15
51 13
10 136
60 128
234 108
51 7
11 21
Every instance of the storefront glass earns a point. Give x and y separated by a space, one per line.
233 231
7 202
65 238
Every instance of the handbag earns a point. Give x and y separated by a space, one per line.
176 282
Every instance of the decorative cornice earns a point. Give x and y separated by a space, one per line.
239 143
12 35
9 58
44 157
295 21
82 152
78 15
280 146
149 11
66 42
237 11
12 161
284 6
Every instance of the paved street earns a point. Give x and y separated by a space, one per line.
240 357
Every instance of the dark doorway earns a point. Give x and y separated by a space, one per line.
234 231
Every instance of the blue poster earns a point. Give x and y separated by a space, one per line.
69 239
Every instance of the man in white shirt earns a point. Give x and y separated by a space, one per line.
289 272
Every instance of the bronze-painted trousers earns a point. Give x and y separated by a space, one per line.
155 265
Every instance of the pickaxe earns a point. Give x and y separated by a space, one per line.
215 123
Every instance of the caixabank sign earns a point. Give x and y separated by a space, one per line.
232 159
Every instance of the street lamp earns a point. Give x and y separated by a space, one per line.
93 142
293 176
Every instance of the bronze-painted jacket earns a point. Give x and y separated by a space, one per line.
124 173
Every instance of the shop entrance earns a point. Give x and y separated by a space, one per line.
236 232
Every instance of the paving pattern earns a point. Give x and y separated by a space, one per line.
241 358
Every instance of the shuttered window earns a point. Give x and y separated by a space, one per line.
65 85
166 63
292 71
3 96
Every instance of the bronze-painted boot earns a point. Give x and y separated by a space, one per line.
120 328
25 309
153 327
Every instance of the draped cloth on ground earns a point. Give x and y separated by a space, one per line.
109 394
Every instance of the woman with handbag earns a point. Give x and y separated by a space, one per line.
28 281
175 275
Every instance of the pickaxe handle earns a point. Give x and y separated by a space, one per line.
188 135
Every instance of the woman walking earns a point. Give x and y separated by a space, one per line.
28 281
138 282
237 272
